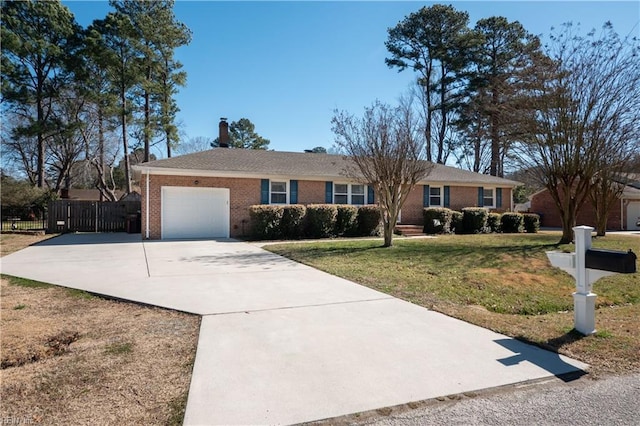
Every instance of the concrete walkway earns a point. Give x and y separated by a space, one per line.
284 343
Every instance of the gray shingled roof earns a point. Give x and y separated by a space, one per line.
298 164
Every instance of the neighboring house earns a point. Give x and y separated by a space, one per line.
624 214
523 207
208 194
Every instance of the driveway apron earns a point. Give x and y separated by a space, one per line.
284 343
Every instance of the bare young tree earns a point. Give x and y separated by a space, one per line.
588 110
19 151
387 151
609 183
101 149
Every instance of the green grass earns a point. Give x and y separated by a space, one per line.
119 348
504 273
24 282
80 294
19 307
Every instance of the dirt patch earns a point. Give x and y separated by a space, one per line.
73 359
16 355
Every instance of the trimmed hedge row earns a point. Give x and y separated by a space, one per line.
437 220
274 222
512 223
476 220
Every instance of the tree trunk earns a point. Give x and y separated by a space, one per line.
168 145
99 165
388 234
601 218
495 137
601 228
427 127
567 230
568 219
147 120
123 119
443 124
101 151
476 154
41 147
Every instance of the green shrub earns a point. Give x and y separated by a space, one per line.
531 223
368 221
437 220
474 220
292 222
512 223
493 222
456 222
346 220
265 221
321 220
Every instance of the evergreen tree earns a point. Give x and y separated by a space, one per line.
156 34
38 50
496 89
434 42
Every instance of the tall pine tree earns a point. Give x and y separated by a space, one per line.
38 46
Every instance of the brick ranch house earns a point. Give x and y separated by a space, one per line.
624 215
208 194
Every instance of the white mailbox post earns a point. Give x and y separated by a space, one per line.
584 301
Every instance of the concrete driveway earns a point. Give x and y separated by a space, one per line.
284 343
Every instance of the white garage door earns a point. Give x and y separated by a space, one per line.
195 212
633 215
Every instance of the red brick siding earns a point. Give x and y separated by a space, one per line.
311 192
463 196
412 210
245 192
543 204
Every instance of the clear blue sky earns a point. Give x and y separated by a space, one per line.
287 65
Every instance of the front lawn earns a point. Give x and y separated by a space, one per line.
502 282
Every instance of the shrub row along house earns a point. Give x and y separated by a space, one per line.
208 194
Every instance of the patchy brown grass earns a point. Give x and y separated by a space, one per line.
71 358
14 242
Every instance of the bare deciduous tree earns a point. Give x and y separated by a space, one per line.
608 185
194 144
588 111
387 151
19 151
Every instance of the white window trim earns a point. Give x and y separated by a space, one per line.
493 199
350 193
287 191
441 196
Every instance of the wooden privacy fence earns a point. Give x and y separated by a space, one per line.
93 216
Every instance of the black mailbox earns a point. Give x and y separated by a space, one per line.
611 260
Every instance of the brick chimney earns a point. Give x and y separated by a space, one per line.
223 137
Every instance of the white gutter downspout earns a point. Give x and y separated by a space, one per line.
623 226
146 213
